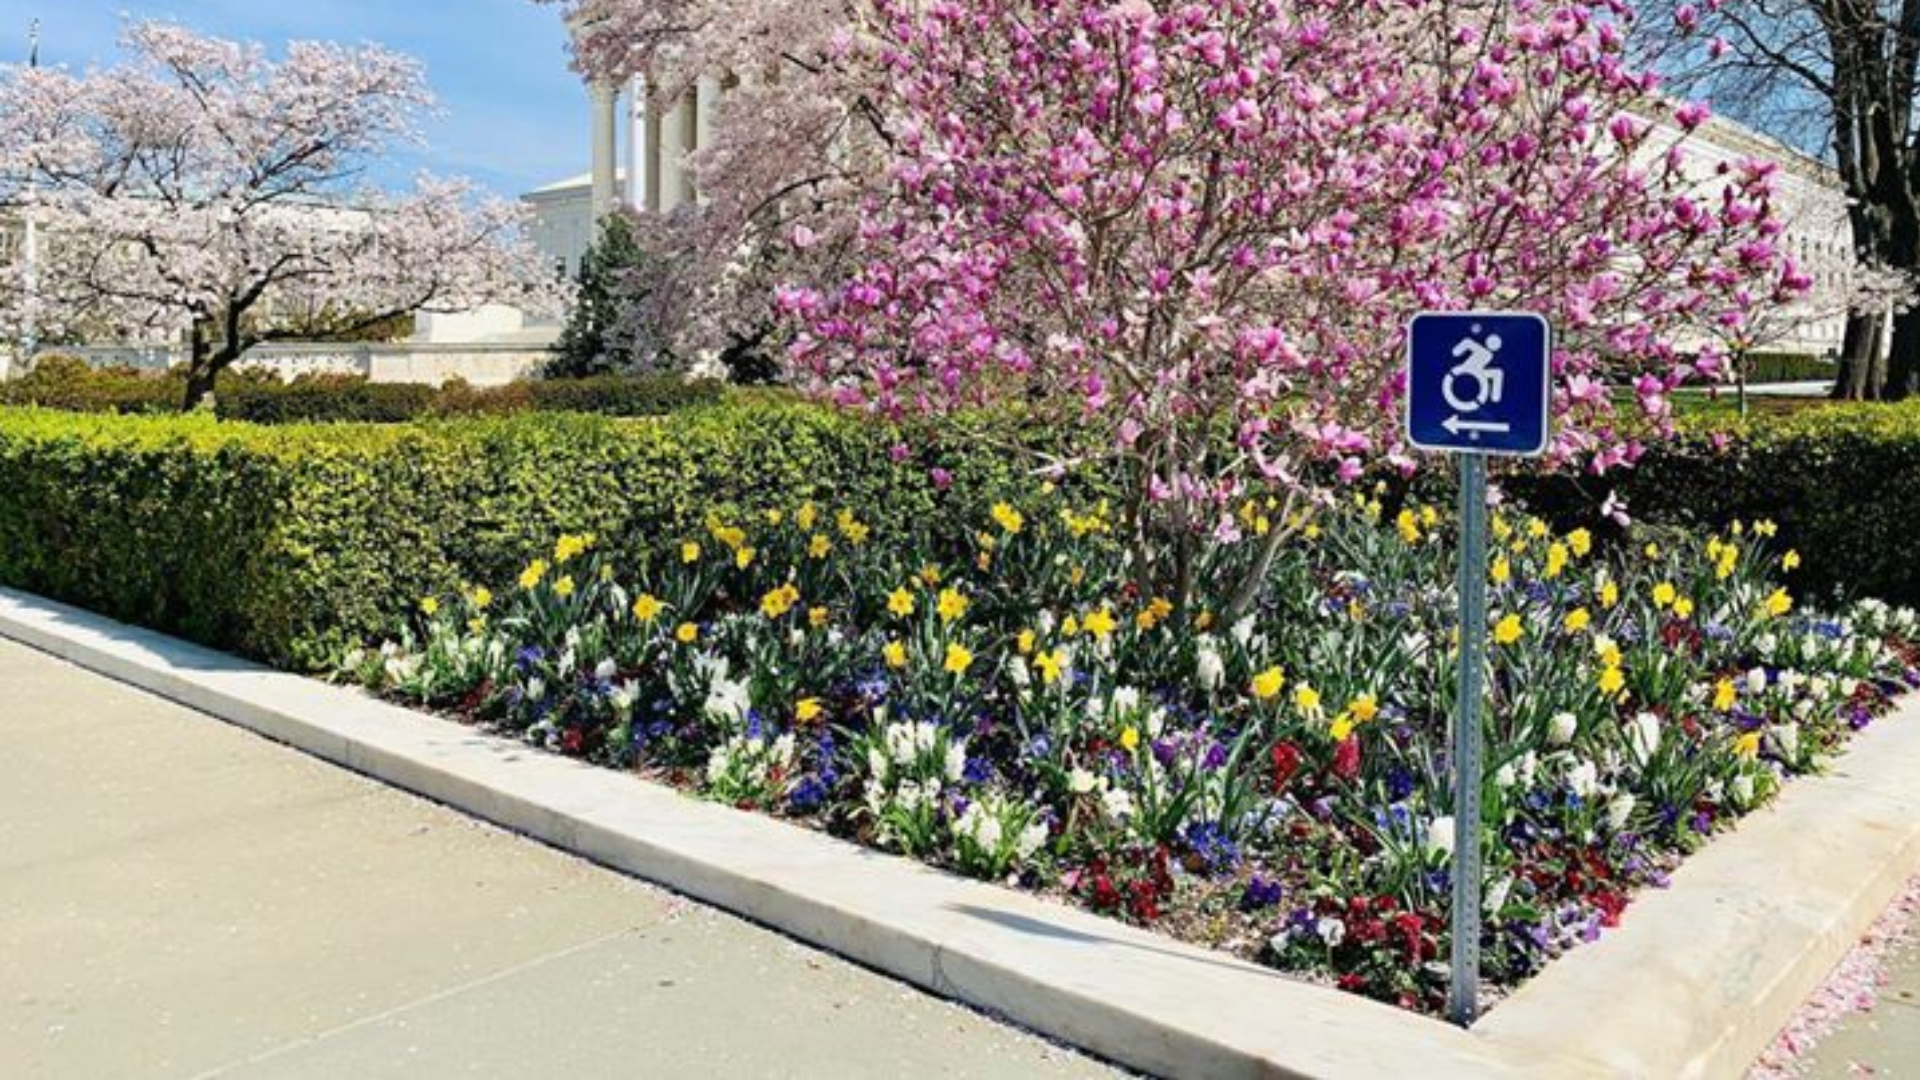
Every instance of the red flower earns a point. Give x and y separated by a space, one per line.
1144 904
1346 758
1286 762
1611 905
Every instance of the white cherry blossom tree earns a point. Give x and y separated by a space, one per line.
204 187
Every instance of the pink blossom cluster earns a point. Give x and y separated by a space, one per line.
1183 219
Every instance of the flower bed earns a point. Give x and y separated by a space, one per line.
1276 788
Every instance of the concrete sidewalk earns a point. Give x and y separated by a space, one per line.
181 898
1884 1041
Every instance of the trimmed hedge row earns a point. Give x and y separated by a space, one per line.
292 543
1843 482
1789 367
69 384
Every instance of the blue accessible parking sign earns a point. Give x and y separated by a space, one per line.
1477 381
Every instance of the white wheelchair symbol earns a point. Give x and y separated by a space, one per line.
1476 365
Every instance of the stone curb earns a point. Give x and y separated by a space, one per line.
1695 983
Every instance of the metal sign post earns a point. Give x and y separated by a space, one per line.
1477 384
1464 993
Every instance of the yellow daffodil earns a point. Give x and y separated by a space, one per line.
686 633
476 624
817 617
1652 551
1008 518
1724 695
1267 684
1508 630
1790 561
1581 541
778 602
1747 746
482 598
1612 681
900 602
1609 594
429 606
1502 570
951 606
819 546
959 659
689 552
1130 738
1576 620
564 587
1306 699
895 654
1683 608
1777 603
1203 621
807 710
743 557
1408 525
535 572
1556 560
1023 644
570 546
775 517
1070 627
1051 666
1099 623
1664 594
1728 561
1363 708
647 608
1765 527
806 516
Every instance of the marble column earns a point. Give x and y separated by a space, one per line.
677 134
606 180
642 147
706 107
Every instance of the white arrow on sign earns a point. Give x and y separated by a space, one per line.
1455 425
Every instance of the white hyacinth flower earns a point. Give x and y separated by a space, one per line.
1643 736
1561 728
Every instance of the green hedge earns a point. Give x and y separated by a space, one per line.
1789 367
1843 482
292 543
59 382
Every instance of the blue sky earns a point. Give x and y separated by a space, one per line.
512 116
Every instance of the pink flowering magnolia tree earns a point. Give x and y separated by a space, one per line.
1199 229
202 187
